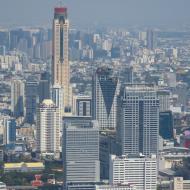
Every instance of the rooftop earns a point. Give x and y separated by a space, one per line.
23 164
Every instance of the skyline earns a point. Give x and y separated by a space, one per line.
95 94
126 13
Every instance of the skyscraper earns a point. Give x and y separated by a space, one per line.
139 120
61 67
9 134
17 98
81 153
108 145
136 170
48 128
164 98
166 124
31 100
151 39
104 98
44 87
82 105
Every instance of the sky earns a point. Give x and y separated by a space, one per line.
84 13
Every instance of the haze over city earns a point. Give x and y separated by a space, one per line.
83 13
95 94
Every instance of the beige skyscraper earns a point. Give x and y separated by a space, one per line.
61 67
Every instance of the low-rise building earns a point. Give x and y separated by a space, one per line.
24 167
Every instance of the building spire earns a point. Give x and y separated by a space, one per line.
60 3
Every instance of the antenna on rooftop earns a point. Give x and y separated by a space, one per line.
61 3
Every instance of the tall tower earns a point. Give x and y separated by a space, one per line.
31 100
104 98
61 67
140 120
9 133
17 98
44 87
48 128
151 39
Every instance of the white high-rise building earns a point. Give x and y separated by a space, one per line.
81 153
139 120
17 98
104 98
61 67
48 128
137 170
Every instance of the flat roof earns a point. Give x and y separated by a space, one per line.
22 164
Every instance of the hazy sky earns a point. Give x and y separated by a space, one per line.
105 12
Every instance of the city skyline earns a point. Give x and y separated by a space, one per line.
103 103
89 13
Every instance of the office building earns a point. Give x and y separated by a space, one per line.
143 37
166 125
82 106
48 128
105 89
108 145
136 170
9 133
44 87
81 153
31 100
182 95
164 99
61 67
151 39
139 120
17 98
171 79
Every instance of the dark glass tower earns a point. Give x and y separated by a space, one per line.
104 97
166 125
31 100
44 87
